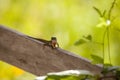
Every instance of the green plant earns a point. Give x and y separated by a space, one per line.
106 22
106 19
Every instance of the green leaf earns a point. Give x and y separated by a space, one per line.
79 42
107 65
89 37
104 13
104 71
103 22
113 68
97 59
109 69
98 11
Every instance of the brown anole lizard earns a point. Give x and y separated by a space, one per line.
52 43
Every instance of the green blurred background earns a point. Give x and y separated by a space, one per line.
68 20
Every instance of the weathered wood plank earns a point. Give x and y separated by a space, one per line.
28 54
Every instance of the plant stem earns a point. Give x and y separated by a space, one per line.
108 39
108 36
110 10
104 45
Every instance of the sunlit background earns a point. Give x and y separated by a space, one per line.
68 20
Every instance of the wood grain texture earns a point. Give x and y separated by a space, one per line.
28 54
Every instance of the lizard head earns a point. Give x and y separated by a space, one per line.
53 38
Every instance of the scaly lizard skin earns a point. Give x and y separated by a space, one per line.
52 43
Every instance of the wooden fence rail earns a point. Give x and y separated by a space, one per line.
28 54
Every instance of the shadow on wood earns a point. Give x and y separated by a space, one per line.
28 54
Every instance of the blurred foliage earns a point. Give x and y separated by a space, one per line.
8 72
68 20
108 73
69 75
97 59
